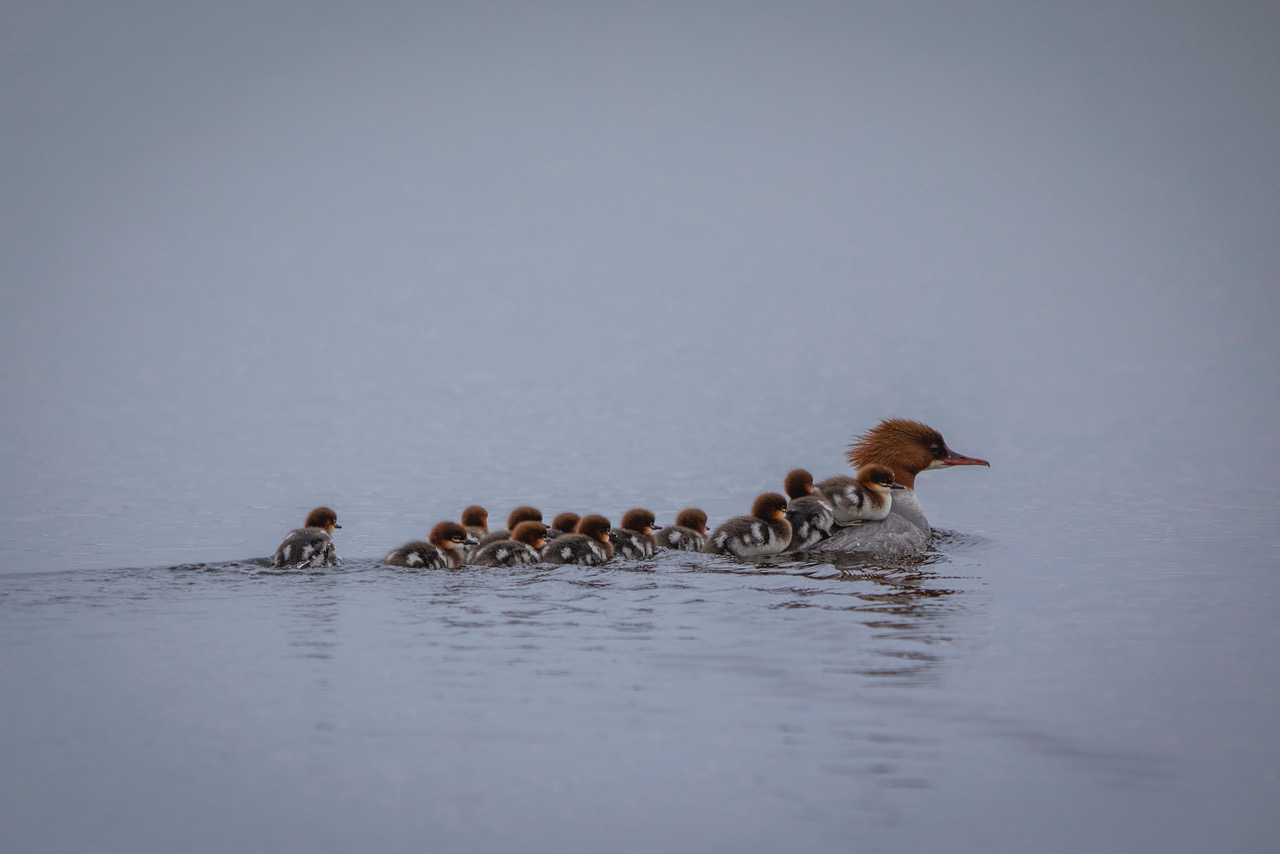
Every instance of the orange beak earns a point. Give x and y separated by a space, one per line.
954 459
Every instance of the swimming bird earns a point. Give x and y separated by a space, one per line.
906 448
633 539
523 513
865 498
765 532
688 534
310 545
476 520
443 549
523 547
808 511
564 523
588 546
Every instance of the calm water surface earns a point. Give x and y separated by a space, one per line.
987 695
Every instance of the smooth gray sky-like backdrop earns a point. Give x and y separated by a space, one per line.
400 257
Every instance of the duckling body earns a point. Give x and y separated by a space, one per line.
634 539
808 511
311 545
811 521
765 532
514 518
443 549
688 534
865 498
523 548
588 546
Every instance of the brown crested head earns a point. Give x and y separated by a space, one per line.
523 513
476 516
639 520
877 477
565 523
322 517
693 519
530 533
595 527
770 505
906 448
448 535
798 484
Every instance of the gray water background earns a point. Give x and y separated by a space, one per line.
399 260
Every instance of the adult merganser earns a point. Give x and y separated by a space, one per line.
524 513
589 546
442 550
809 513
311 544
688 534
906 448
765 532
476 520
633 539
865 498
524 547
564 523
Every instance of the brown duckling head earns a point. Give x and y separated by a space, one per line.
798 483
769 506
322 517
523 513
595 527
530 533
693 519
638 520
448 535
565 523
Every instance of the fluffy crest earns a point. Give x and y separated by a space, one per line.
876 475
595 527
907 448
523 513
322 517
637 520
475 516
529 532
770 505
447 535
798 484
692 518
566 523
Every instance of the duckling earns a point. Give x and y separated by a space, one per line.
523 513
442 550
809 513
524 547
476 520
866 497
799 484
633 539
589 546
688 534
310 545
765 532
564 523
